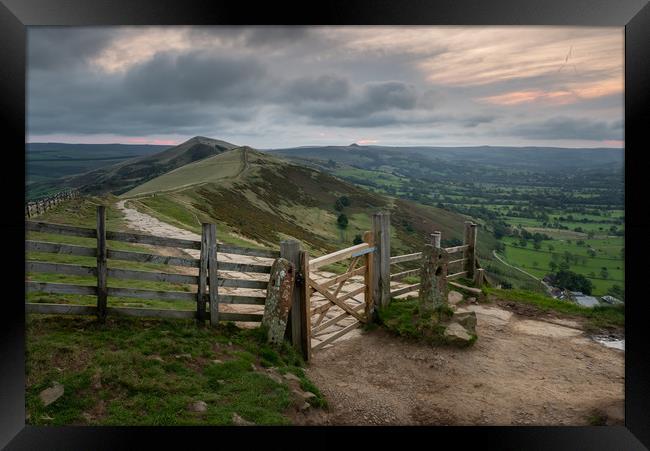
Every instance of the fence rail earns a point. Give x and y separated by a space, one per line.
405 258
343 254
404 274
212 274
84 232
66 309
455 249
470 267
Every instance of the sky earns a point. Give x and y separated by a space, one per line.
273 87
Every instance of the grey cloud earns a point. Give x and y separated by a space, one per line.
472 121
197 77
130 120
415 119
364 106
55 47
569 128
155 100
391 94
324 88
272 36
252 37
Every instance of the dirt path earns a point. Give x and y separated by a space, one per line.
144 223
520 371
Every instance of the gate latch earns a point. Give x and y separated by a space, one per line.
300 280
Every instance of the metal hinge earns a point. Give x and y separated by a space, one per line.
300 280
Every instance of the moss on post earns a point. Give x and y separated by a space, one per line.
433 279
279 297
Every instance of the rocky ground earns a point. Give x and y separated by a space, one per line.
520 372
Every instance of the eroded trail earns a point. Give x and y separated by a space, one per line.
520 371
144 223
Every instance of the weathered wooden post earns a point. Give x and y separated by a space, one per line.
102 264
381 277
436 238
290 249
213 277
433 275
368 237
279 299
203 274
479 278
303 292
470 252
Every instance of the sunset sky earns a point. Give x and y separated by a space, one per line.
271 87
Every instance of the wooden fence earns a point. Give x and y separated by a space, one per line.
208 280
40 206
466 266
213 274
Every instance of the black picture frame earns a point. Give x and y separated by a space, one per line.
16 15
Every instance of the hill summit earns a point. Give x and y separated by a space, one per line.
123 176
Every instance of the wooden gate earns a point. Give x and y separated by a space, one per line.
340 303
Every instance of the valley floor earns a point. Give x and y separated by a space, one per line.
520 372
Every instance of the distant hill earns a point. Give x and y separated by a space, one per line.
520 158
261 199
48 161
122 176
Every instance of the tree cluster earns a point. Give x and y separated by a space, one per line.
569 280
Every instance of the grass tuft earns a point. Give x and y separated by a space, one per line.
403 317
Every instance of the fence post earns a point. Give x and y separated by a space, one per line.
213 276
470 253
102 265
479 277
381 279
203 274
368 237
305 306
290 250
436 238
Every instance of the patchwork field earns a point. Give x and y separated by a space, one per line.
537 261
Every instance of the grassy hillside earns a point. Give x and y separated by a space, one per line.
212 170
262 199
125 175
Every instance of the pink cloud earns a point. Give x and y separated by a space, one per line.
535 95
143 140
614 143
561 96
